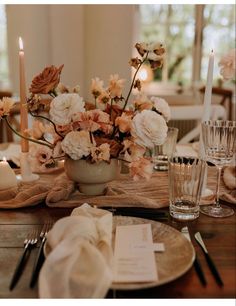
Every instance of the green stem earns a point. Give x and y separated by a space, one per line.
111 107
28 138
49 120
130 90
132 84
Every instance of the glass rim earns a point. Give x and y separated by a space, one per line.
219 123
184 157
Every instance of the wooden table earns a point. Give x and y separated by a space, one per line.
219 236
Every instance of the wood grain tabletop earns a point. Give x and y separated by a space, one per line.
219 235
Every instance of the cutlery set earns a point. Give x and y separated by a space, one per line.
29 243
209 260
32 240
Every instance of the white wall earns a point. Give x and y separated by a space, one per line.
67 42
108 41
91 40
32 24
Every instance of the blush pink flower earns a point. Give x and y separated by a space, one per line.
142 102
228 65
85 122
124 123
97 87
104 97
115 86
41 158
93 120
6 105
101 153
132 151
141 168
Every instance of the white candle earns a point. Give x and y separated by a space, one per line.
208 89
23 106
207 99
7 176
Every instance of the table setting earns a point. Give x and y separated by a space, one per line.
103 202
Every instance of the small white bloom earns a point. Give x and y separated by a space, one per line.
162 107
77 144
149 129
64 106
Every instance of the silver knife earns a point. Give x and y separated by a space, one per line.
196 262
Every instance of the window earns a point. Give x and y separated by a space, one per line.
189 32
4 73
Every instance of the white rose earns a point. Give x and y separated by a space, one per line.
162 107
77 144
149 129
64 106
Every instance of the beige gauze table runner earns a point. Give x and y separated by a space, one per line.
57 191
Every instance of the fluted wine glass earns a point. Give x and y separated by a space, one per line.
219 139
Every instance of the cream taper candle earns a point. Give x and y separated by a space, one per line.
23 101
207 99
7 176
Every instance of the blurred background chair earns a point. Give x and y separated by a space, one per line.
222 96
182 115
6 135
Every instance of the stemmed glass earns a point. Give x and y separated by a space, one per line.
219 139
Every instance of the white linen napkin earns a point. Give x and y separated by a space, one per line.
79 256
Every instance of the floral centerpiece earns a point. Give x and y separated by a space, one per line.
110 127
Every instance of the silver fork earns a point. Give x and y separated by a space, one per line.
29 243
40 256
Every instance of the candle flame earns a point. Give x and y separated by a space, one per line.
21 46
4 159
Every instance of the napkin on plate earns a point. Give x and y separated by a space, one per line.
229 178
79 256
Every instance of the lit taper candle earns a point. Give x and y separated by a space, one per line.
23 101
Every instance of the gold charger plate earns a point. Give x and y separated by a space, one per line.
174 262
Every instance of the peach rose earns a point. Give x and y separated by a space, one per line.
46 81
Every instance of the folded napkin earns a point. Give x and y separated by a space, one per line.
229 179
26 194
79 256
123 192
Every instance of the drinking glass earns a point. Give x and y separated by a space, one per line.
162 153
185 185
219 139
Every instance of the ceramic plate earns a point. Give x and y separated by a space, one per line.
174 262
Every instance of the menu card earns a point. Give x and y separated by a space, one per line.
134 259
